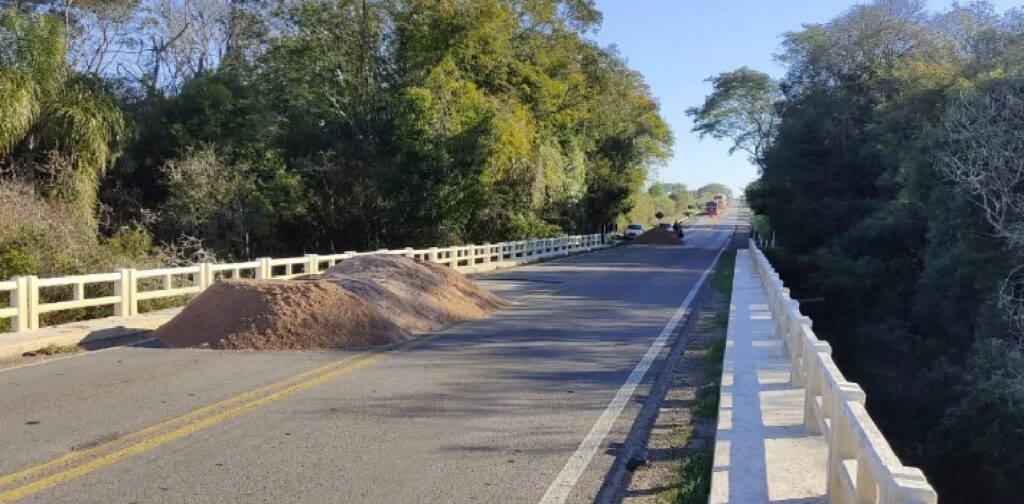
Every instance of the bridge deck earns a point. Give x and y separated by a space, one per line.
762 453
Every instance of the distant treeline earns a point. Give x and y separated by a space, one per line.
674 201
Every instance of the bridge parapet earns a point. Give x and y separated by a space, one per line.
123 289
862 468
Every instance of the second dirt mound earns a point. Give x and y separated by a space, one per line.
279 315
658 236
416 295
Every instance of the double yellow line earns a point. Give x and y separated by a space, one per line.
78 463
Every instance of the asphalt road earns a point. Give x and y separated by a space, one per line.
488 411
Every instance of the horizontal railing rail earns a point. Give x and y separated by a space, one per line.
862 468
121 292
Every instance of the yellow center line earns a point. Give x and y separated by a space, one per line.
162 439
187 417
150 437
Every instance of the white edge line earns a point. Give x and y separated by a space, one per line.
560 489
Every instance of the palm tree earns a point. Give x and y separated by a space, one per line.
45 108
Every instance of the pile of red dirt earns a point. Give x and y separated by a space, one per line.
364 301
279 315
658 236
417 295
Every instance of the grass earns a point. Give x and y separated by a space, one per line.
716 352
722 279
762 225
691 483
694 478
706 402
720 320
55 349
681 434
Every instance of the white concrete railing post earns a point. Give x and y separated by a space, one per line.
25 298
782 322
814 387
842 443
909 487
203 278
488 251
798 352
124 289
264 271
432 254
807 355
312 264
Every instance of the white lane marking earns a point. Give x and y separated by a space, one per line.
560 489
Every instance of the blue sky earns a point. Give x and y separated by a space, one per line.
677 44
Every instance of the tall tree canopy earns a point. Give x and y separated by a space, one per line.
278 127
53 121
741 109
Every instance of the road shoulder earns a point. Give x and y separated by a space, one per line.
677 459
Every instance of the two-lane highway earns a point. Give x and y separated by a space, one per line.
516 408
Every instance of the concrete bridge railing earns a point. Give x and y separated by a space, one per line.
862 468
125 288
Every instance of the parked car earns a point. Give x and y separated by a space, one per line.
633 231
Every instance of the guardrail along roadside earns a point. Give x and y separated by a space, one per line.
862 468
126 293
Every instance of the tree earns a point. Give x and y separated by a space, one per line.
741 109
708 192
983 154
47 110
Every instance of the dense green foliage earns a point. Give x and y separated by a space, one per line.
283 127
902 263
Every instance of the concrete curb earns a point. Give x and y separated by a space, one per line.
87 331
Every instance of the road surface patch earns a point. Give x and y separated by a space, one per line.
562 486
74 464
